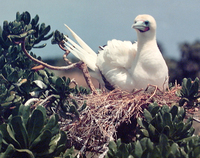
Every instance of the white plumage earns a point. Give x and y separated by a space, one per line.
121 64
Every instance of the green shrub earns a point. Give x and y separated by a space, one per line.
165 120
31 134
162 133
189 91
18 83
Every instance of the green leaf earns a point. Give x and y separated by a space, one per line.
54 143
63 138
52 124
166 131
35 125
20 131
5 25
69 152
149 145
41 142
6 137
28 28
123 151
42 27
40 46
75 103
58 143
163 143
142 122
145 132
43 110
1 139
196 151
24 111
26 153
147 115
10 150
154 110
112 145
47 37
167 120
60 83
35 20
152 130
18 17
11 136
159 120
179 128
174 149
53 79
138 149
187 126
174 111
27 18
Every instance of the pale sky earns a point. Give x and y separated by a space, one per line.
96 22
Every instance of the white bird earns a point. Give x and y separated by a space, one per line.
121 64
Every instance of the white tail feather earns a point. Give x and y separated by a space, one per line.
74 52
80 41
84 53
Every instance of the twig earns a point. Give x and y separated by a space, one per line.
47 98
195 119
71 65
87 77
66 53
45 64
28 102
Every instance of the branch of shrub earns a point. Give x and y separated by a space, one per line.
82 66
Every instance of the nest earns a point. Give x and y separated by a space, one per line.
112 115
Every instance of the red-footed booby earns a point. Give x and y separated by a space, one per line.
121 64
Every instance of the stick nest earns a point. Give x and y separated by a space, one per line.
106 113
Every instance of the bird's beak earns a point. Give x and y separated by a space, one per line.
141 26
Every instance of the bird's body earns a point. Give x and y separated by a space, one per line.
121 64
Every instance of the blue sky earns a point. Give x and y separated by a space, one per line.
96 22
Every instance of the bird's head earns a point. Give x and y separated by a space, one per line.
145 26
144 23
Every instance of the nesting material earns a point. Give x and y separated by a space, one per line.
105 112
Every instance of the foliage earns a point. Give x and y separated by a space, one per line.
162 133
165 120
15 67
24 133
23 27
18 83
31 134
189 91
57 37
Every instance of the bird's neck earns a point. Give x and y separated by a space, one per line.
146 42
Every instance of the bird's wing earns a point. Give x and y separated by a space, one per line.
119 53
114 62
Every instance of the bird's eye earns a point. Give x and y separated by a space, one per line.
146 23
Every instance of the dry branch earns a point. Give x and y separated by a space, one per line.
82 66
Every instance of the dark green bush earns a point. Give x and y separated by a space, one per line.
18 83
189 91
162 133
31 134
